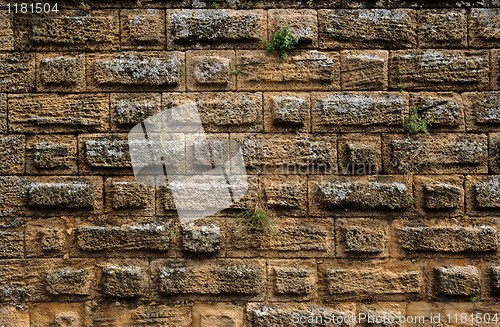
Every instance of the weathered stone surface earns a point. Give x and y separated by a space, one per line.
60 73
123 281
484 28
303 70
293 314
495 279
197 29
136 70
124 196
46 239
12 245
51 155
364 240
142 29
358 112
436 153
40 113
360 282
457 281
288 154
442 110
286 112
286 195
452 239
214 277
222 112
495 69
494 153
57 314
486 192
12 150
7 32
361 238
359 155
129 109
138 237
364 69
105 151
291 279
363 28
435 70
17 72
3 113
12 196
73 195
69 281
211 70
439 195
72 31
303 23
219 314
442 196
341 193
10 315
201 238
482 111
442 28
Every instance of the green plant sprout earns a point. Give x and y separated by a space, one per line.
417 123
257 219
283 41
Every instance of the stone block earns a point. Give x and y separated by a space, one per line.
442 28
484 28
495 69
69 281
359 155
123 281
51 155
362 238
124 197
292 280
129 109
482 111
439 195
115 313
142 29
17 72
61 73
286 195
57 314
7 33
12 151
12 245
211 70
494 153
302 71
367 28
287 112
70 194
364 69
47 239
443 110
435 4
201 238
457 281
302 22
495 279
104 154
483 193
219 314
3 113
12 316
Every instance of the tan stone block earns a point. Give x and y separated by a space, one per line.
302 22
287 112
53 113
211 70
359 154
482 194
142 29
219 314
3 113
17 72
442 28
301 71
51 155
364 70
439 196
292 280
115 313
57 314
46 239
359 238
494 153
286 195
103 154
129 109
482 111
124 197
484 28
61 73
495 69
12 152
7 32
14 317
444 111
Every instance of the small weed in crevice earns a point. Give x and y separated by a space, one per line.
417 123
283 41
257 219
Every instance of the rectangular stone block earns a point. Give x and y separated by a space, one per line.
17 72
495 69
347 196
56 313
124 196
286 195
3 113
457 281
60 73
302 71
482 111
287 112
10 314
142 29
7 32
217 278
11 195
129 109
46 238
435 70
302 22
442 28
218 314
367 28
484 28
202 237
364 69
69 30
443 110
225 28
125 280
104 154
12 149
439 195
133 71
362 238
12 245
482 194
402 280
359 155
52 113
288 154
211 70
494 153
70 281
222 112
435 4
51 155
117 240
358 112
292 280
436 154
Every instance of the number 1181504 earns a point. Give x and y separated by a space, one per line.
32 8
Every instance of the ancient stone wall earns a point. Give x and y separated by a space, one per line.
369 214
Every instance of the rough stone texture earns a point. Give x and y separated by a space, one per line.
482 110
75 195
443 110
17 72
98 30
60 73
439 195
116 313
9 314
219 314
291 279
286 112
457 281
452 239
71 281
362 29
51 155
136 70
198 29
495 69
303 23
129 109
230 277
359 155
484 193
3 113
367 237
201 238
358 112
46 239
104 152
494 153
211 70
442 28
286 195
435 4
434 70
123 281
12 243
302 71
12 150
436 154
124 196
484 28
142 29
7 33
44 113
495 279
364 69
